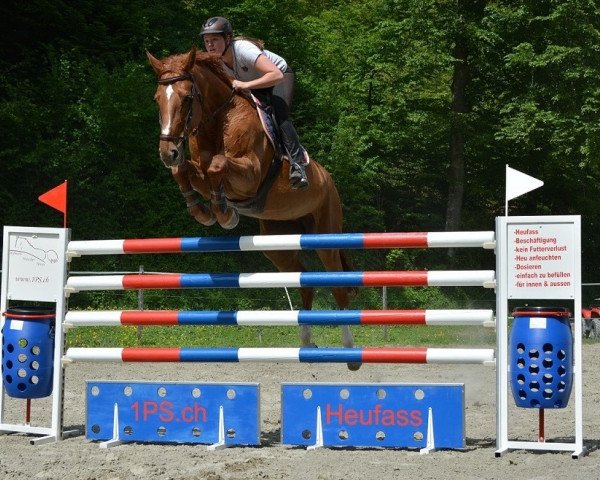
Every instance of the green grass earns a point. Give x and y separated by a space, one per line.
238 336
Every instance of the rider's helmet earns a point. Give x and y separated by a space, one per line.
217 25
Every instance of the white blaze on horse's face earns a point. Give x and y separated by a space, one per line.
166 126
175 109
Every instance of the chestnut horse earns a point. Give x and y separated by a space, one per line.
232 167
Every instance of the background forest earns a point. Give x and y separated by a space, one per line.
414 106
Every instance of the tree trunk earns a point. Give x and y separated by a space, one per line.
456 174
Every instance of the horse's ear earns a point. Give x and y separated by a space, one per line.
191 60
156 63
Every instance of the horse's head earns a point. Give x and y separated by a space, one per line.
176 95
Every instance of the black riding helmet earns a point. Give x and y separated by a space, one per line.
216 25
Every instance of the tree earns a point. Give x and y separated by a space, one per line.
467 14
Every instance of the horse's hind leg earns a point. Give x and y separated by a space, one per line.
333 261
307 295
328 219
342 300
287 261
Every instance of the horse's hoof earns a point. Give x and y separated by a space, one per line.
208 223
354 366
233 221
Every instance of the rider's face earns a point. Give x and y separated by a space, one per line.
214 43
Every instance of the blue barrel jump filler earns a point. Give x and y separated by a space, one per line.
28 351
541 357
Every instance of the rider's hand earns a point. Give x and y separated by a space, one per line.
239 85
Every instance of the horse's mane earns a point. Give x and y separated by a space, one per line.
175 64
214 64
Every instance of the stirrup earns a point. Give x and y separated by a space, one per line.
298 178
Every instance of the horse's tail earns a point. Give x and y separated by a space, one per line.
348 266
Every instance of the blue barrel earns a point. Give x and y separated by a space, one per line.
541 357
28 351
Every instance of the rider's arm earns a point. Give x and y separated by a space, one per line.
271 75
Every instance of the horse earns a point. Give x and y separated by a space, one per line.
231 166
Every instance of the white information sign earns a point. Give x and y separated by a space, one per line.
35 264
541 260
34 268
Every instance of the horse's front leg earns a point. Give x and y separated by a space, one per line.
227 217
193 200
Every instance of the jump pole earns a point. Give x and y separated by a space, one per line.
483 239
420 355
464 278
86 318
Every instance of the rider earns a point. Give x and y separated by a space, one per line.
269 78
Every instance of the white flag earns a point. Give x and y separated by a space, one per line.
518 183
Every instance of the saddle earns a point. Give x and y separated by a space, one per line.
269 123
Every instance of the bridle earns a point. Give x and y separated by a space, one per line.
195 92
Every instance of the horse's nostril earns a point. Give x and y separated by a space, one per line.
175 154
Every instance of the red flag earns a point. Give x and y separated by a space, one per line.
56 198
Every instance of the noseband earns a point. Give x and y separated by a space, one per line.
195 92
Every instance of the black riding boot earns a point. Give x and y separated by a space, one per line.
298 178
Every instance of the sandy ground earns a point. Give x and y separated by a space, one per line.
77 458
